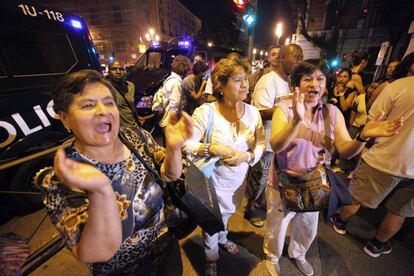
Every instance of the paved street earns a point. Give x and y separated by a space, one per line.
330 254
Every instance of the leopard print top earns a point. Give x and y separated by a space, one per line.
146 240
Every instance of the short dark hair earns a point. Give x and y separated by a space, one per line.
223 71
346 69
271 47
199 67
181 65
308 67
403 67
358 57
69 85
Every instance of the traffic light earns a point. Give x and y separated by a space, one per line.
364 11
249 19
240 4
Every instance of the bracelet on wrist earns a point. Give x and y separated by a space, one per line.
206 149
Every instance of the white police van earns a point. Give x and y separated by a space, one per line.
38 45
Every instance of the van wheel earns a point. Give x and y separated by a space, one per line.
22 181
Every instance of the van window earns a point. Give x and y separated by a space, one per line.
31 53
154 60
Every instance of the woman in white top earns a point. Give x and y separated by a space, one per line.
237 138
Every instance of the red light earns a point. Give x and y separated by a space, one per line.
240 4
364 11
345 56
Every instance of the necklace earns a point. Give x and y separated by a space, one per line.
129 164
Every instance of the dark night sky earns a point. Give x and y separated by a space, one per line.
269 12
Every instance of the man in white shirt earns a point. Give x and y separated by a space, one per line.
269 87
181 66
386 169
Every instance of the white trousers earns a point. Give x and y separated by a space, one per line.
211 243
304 228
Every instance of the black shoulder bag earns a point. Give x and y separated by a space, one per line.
187 202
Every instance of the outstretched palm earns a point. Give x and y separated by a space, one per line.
178 132
298 105
76 175
378 127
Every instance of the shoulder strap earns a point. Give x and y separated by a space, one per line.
147 166
327 124
210 123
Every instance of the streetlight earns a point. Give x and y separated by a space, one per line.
278 32
254 53
261 54
152 36
210 44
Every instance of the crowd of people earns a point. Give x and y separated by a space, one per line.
109 209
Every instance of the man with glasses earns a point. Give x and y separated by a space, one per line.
126 92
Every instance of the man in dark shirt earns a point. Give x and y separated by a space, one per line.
192 88
126 92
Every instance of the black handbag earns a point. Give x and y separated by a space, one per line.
188 201
318 190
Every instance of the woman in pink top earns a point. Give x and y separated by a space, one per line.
298 139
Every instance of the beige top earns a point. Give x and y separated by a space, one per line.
394 155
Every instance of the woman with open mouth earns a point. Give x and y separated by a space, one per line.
99 194
299 140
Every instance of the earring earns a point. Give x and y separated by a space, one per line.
68 130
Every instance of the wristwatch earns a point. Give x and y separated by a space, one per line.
359 135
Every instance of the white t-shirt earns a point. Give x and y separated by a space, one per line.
172 90
267 89
394 155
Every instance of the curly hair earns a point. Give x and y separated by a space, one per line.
223 71
181 65
69 85
308 67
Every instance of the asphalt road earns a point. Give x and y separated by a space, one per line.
330 254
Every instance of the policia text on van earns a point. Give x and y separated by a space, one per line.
37 46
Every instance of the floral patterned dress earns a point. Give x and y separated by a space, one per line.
146 240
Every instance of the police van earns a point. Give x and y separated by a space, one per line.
38 45
154 66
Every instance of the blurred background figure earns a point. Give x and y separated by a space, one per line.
193 88
125 96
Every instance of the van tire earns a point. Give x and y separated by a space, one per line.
22 181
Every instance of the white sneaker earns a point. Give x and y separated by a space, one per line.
272 267
304 266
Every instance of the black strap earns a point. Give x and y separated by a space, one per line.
327 124
150 169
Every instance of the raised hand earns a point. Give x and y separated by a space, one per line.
378 127
76 175
298 105
178 132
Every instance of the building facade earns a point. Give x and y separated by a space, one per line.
361 25
119 28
